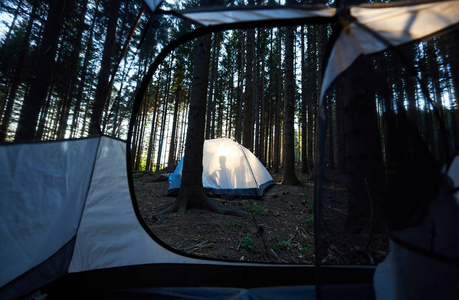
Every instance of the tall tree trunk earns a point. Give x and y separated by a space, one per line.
247 138
17 74
10 30
163 120
105 68
289 176
277 136
139 151
211 96
262 136
44 114
42 72
191 193
312 80
82 81
240 90
151 142
73 77
304 101
171 159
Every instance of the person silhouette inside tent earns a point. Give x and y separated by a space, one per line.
222 176
240 173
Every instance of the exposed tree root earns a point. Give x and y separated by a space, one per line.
194 197
290 181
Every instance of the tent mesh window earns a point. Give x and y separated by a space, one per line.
392 121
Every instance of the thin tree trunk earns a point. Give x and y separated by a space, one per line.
211 95
278 110
105 68
247 138
304 102
151 142
289 176
171 159
17 74
139 151
64 115
164 116
42 73
79 96
262 137
312 70
240 89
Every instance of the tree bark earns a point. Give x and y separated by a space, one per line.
247 138
105 68
82 81
171 159
277 137
17 74
73 76
151 142
42 73
304 106
240 89
191 193
289 176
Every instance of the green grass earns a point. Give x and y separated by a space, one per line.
256 210
247 243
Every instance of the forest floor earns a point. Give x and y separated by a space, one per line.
280 228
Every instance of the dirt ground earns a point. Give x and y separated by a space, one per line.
280 228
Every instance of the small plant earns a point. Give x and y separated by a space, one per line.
256 210
247 243
232 224
284 244
306 249
310 218
224 254
275 238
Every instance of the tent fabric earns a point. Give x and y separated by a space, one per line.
45 273
453 173
228 169
396 25
153 4
212 18
426 264
341 292
42 195
110 234
66 192
68 189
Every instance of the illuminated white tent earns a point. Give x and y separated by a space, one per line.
228 169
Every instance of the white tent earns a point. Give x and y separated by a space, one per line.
228 169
